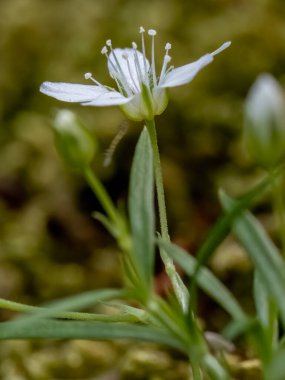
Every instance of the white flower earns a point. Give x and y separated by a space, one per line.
141 92
264 132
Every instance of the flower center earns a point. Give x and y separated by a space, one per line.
130 68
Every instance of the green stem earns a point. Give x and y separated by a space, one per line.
179 288
101 194
169 266
158 180
22 308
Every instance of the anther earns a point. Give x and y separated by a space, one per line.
152 32
109 43
167 46
134 45
142 29
89 76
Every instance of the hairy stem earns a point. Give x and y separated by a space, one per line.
158 180
179 288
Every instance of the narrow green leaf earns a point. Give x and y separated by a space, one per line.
260 299
141 207
73 303
106 222
266 310
24 308
49 329
222 227
262 252
205 279
220 230
276 368
252 328
236 328
214 369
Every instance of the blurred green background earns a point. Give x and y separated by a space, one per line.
49 244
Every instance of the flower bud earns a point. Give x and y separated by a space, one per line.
264 132
74 143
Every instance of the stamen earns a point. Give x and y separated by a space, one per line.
152 33
117 68
89 76
137 63
166 60
126 57
104 51
146 77
167 47
119 85
221 48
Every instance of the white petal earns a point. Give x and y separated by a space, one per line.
185 74
111 98
129 68
221 48
70 92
